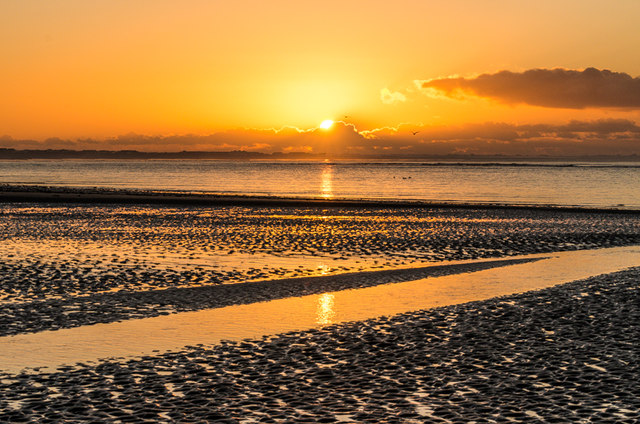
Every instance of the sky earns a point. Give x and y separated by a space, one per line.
540 77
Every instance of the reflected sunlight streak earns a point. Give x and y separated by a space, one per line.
327 182
324 269
325 312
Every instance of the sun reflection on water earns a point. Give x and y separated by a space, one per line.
325 312
327 182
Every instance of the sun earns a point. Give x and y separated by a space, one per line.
326 124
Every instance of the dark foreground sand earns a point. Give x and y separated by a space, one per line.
563 354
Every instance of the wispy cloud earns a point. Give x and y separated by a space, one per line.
389 97
556 88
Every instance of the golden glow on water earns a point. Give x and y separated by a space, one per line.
327 182
326 309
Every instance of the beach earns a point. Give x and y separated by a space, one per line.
561 354
566 354
320 212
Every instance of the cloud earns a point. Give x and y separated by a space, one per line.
573 138
389 97
554 88
312 140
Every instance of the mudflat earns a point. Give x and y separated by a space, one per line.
566 353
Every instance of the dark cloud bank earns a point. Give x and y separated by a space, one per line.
611 137
558 88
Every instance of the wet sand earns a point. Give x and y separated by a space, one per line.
66 265
53 314
567 353
138 337
564 354
102 195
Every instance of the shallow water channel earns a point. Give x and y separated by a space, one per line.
173 332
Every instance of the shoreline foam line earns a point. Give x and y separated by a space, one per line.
173 332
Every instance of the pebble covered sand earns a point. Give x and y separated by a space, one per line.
564 354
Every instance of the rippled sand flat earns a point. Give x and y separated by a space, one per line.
563 354
69 265
80 249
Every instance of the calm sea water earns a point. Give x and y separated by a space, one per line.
585 184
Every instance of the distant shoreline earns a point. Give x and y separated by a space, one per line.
241 155
99 195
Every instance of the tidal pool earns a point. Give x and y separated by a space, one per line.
173 332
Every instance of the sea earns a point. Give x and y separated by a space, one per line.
584 184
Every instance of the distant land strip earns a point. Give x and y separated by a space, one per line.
240 155
99 195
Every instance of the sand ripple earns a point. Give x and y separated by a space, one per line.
564 354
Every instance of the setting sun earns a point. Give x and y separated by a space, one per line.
326 124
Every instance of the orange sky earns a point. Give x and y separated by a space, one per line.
76 69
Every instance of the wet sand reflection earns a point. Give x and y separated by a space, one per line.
326 312
172 332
